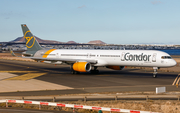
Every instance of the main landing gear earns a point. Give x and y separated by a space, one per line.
155 72
73 71
95 71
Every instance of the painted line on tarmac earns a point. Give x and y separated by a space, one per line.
33 68
18 71
176 81
26 76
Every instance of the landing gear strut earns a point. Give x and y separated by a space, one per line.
75 72
72 70
155 72
95 71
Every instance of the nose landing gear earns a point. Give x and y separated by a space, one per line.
155 72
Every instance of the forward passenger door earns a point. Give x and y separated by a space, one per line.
154 57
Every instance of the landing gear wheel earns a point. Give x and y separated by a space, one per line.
155 72
154 75
75 72
72 70
97 71
94 71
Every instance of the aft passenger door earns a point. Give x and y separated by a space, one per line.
58 55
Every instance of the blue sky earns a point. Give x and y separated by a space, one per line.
112 21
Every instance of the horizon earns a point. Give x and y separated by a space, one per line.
113 22
159 44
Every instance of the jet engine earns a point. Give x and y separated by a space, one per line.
116 67
81 66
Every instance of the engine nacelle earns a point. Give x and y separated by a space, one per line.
116 67
82 66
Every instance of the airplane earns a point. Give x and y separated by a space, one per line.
90 60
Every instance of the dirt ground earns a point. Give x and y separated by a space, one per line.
153 106
160 106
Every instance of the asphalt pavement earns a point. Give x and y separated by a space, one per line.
106 81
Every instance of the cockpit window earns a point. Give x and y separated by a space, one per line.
166 57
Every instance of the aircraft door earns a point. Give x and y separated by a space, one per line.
122 56
89 55
154 57
58 55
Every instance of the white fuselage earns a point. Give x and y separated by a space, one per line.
142 58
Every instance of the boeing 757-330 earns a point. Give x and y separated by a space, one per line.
89 60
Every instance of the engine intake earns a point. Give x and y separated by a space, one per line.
116 67
82 66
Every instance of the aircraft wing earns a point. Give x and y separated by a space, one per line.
62 59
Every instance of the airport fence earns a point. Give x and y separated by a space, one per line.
72 106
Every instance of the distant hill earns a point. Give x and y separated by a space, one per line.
19 39
22 40
71 42
96 42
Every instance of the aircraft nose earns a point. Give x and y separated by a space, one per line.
173 62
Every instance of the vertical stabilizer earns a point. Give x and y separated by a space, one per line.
31 42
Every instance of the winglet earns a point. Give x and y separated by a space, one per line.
11 51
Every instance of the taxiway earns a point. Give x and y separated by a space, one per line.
21 78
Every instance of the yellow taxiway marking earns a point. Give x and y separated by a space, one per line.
26 76
176 81
18 71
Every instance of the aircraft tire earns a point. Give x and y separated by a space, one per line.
75 72
94 71
154 76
